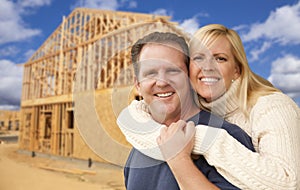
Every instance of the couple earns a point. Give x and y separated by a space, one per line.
220 74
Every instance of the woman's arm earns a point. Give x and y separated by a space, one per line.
276 136
275 124
140 130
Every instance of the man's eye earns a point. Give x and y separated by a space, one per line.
149 74
174 71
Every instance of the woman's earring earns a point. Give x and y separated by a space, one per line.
232 80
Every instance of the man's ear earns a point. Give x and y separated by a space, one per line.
137 85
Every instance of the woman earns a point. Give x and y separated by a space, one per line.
220 74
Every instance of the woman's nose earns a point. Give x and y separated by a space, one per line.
208 64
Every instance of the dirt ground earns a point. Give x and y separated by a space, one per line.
19 170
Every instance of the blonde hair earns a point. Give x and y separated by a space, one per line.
252 86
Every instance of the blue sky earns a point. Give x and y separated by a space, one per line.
269 30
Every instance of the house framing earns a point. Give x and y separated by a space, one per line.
9 120
79 79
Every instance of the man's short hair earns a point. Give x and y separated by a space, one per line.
159 38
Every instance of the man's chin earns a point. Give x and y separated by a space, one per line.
161 113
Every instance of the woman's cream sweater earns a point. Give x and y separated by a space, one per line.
273 124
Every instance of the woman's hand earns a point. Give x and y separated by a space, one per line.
177 140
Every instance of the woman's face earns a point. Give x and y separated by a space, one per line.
213 69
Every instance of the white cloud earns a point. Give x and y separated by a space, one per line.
286 64
162 12
9 51
9 107
104 4
12 27
33 3
240 27
11 84
285 74
132 4
256 52
29 53
190 25
282 26
101 4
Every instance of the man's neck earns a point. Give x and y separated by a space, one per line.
187 112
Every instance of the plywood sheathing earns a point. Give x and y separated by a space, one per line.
86 59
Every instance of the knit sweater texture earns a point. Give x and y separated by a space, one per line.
273 124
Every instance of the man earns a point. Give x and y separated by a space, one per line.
161 68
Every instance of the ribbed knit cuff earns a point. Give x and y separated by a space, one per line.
204 138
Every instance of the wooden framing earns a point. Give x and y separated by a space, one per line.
88 53
9 120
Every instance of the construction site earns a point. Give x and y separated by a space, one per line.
78 81
9 120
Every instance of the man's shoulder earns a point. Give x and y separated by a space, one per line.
137 159
208 118
143 172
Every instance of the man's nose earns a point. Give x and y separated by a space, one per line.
162 80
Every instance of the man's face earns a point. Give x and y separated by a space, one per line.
163 81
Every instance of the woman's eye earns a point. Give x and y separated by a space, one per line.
220 59
198 58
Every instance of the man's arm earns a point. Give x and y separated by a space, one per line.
188 175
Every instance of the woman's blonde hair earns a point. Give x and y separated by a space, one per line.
252 85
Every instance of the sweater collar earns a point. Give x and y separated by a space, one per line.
226 104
